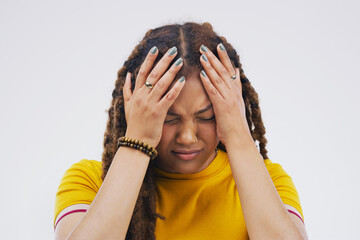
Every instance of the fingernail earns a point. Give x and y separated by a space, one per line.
172 51
204 48
178 62
182 79
203 73
153 50
204 57
222 48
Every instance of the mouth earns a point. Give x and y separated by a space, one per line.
186 154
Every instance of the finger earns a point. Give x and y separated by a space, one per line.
157 72
217 65
224 58
215 79
172 94
146 67
237 80
127 87
163 84
212 92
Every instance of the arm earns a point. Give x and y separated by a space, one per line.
265 215
114 203
297 219
145 110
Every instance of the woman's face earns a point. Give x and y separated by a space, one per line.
190 118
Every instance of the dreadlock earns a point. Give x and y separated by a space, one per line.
188 38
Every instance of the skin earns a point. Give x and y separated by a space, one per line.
182 127
265 215
145 112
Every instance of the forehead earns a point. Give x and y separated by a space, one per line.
192 98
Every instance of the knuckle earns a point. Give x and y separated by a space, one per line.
145 107
141 72
137 101
153 75
170 96
160 84
154 114
213 91
224 72
229 67
207 65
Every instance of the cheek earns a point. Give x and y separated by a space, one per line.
167 136
208 131
167 133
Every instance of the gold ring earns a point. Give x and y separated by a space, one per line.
149 85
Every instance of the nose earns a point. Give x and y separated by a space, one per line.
186 134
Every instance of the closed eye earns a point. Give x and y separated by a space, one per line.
208 119
170 121
202 119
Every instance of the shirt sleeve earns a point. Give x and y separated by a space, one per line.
79 184
284 185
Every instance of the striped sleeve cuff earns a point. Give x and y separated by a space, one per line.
73 211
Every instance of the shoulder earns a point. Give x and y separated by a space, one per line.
270 165
85 173
86 165
89 168
275 169
277 173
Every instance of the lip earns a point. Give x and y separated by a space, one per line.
186 154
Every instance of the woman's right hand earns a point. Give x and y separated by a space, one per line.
145 108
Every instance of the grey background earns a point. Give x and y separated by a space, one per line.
58 64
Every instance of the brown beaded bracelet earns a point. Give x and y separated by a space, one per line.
137 144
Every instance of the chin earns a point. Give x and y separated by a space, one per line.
185 170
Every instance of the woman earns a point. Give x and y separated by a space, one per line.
206 178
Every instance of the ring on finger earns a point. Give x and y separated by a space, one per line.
233 77
149 85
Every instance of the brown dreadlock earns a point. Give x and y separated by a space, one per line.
188 38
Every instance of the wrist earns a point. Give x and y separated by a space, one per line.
135 153
241 141
137 144
148 141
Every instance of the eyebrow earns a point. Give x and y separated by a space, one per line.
198 112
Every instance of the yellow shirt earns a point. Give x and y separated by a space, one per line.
203 205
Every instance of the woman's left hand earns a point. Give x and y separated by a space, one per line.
225 95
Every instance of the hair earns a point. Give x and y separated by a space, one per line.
188 38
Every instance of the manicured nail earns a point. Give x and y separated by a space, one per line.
204 48
182 79
153 50
203 73
178 62
222 48
172 51
204 57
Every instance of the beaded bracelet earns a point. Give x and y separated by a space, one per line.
137 144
